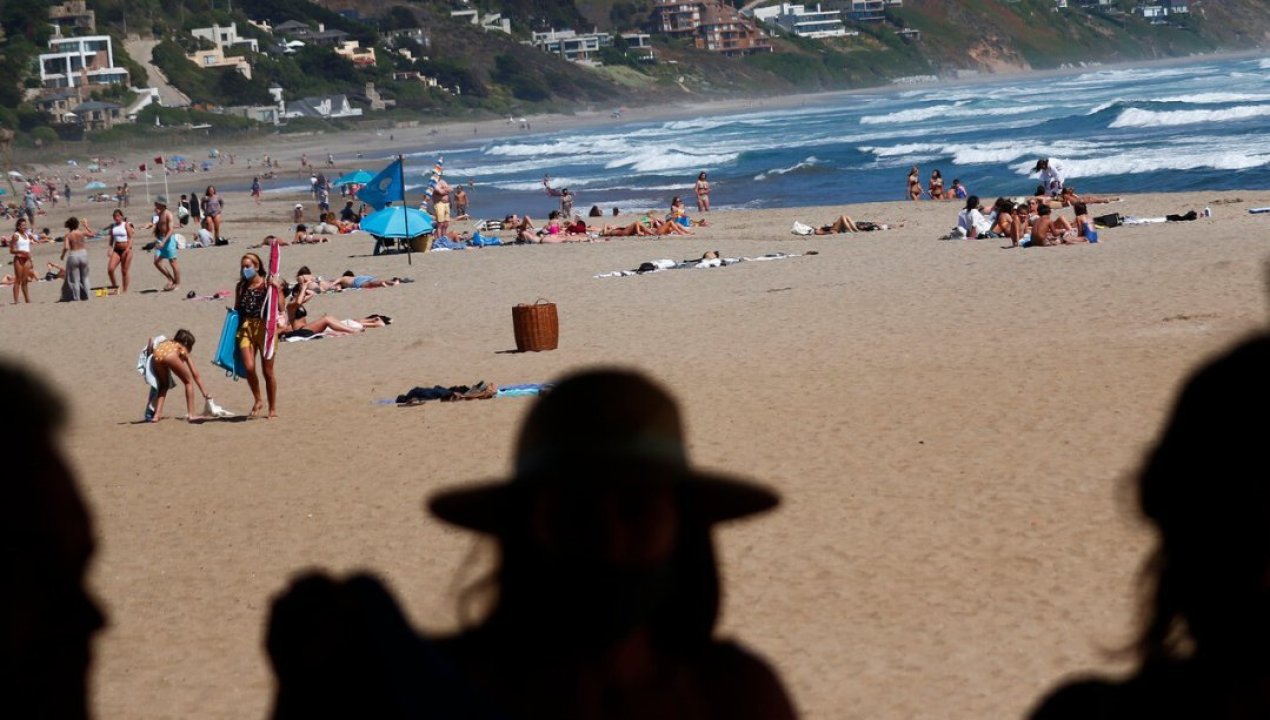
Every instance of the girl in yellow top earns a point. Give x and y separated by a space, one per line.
172 357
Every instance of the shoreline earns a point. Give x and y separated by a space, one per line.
455 131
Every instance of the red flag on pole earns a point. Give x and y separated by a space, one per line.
158 159
142 167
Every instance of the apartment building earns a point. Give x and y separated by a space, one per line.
87 60
712 26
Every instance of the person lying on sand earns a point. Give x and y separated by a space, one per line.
314 283
635 228
358 282
1068 197
296 321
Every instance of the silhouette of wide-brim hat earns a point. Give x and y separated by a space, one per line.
596 426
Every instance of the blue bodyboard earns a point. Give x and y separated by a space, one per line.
227 357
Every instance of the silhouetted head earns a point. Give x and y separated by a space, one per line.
604 527
1206 489
972 202
72 223
47 618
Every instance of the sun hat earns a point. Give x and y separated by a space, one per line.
592 421
161 199
299 205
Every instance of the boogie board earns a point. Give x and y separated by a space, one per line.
272 302
1259 211
227 356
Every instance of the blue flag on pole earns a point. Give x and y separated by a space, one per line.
385 187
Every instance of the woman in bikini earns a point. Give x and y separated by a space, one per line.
119 253
914 183
359 282
249 300
172 357
702 188
936 185
23 267
297 321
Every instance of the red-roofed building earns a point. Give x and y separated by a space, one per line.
712 26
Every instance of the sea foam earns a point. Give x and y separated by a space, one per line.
1138 118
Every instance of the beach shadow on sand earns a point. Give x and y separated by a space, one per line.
199 421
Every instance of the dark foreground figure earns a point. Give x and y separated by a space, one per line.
1204 648
47 618
607 589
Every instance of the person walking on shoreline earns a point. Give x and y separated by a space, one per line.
119 253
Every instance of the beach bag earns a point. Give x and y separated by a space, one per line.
801 229
227 357
536 327
1111 220
1090 233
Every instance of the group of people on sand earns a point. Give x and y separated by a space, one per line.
170 359
935 189
606 590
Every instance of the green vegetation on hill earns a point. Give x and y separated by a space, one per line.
489 72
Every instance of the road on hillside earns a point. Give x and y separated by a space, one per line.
141 50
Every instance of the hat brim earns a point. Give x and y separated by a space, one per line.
484 506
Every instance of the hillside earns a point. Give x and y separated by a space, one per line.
489 72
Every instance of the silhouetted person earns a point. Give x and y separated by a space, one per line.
47 618
607 587
1204 649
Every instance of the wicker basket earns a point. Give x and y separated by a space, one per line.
537 326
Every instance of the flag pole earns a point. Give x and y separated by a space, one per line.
405 209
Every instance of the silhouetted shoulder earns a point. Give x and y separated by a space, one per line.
1176 691
742 685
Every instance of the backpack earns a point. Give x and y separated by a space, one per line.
1111 220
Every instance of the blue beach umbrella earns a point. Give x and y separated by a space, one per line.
95 185
397 222
3 191
357 177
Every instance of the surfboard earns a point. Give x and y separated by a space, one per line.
272 302
1259 211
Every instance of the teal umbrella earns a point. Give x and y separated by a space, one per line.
357 177
397 222
3 191
95 185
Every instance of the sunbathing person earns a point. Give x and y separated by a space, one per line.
302 236
843 224
314 283
359 282
635 228
667 227
296 320
1068 197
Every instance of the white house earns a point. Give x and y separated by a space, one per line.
800 21
570 45
225 37
1152 12
84 60
325 106
216 57
487 22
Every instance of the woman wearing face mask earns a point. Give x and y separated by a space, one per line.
250 298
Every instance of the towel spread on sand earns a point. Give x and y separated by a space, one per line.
653 266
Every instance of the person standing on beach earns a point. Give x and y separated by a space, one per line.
165 244
123 195
914 183
75 281
119 252
212 206
23 267
250 302
702 189
66 190
255 189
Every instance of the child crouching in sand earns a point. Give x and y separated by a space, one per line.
172 357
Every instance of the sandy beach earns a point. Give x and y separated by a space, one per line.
951 424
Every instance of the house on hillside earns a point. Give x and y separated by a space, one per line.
800 21
352 51
324 107
98 115
216 57
712 25
1178 7
870 10
72 17
487 22
640 46
570 45
59 104
225 37
1152 12
86 60
291 27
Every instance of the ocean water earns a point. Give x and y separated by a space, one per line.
1199 126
